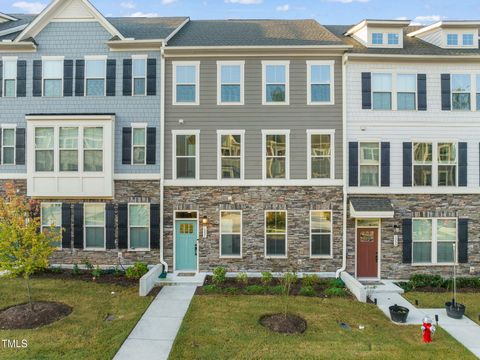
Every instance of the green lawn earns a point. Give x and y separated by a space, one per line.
226 327
83 334
437 300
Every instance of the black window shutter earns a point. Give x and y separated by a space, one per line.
407 164
78 226
20 146
127 145
407 241
1 78
68 78
123 226
151 145
446 98
79 77
151 76
385 164
67 226
127 77
463 241
462 164
22 78
154 226
353 164
111 76
110 226
366 90
37 78
422 92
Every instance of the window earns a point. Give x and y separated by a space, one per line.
377 38
478 91
186 83
434 240
320 150
9 77
186 147
51 219
467 39
93 149
230 77
275 233
44 140
460 91
52 77
382 91
94 215
447 164
422 164
406 92
95 70
452 39
275 82
230 233
139 143
139 226
139 75
369 164
393 39
320 82
275 151
320 233
8 146
68 148
230 154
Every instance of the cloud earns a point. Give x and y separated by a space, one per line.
349 1
142 14
244 2
168 2
427 19
285 7
128 5
29 7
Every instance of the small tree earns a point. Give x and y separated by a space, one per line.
23 248
286 281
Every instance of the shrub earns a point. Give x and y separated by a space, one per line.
97 272
336 283
468 282
219 275
275 290
231 290
421 280
136 271
88 264
242 278
254 289
405 285
307 290
336 291
267 277
56 270
75 270
310 280
210 289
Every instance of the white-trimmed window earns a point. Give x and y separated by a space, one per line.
275 79
139 75
9 76
320 80
467 39
52 76
320 145
8 146
447 164
276 233
320 233
186 154
186 83
477 95
93 149
422 164
406 92
230 154
139 144
231 233
51 219
434 240
94 226
230 82
377 38
276 145
369 164
452 39
393 38
139 226
461 89
68 148
44 149
95 74
381 91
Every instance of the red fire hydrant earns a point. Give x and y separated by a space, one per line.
428 329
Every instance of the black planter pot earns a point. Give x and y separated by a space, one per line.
398 313
454 309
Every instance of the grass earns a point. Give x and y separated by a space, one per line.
83 334
437 300
226 327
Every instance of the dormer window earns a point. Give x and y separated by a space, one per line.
467 39
393 39
452 39
377 38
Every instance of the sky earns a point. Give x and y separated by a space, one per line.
324 11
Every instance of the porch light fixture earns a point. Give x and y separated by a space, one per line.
205 223
396 231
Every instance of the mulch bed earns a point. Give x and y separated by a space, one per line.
291 324
84 275
22 317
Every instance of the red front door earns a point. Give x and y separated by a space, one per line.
367 252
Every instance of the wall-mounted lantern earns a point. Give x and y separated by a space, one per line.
204 224
396 232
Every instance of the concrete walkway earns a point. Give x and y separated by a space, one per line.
153 336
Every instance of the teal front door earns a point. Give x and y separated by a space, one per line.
185 245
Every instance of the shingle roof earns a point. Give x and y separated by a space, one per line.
143 28
23 19
363 204
254 33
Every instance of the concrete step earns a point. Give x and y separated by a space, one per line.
177 279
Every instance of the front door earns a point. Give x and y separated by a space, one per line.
367 252
185 245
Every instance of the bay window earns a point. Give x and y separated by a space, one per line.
369 164
68 148
95 73
94 219
276 233
461 87
139 226
51 219
320 233
9 77
93 149
44 149
434 240
52 77
230 233
275 75
8 146
275 154
381 91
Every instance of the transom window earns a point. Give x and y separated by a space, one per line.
51 219
230 233
186 83
369 164
447 164
52 77
9 78
230 82
95 72
139 143
186 151
275 155
461 88
94 219
406 91
320 82
452 39
231 156
139 226
377 38
276 82
275 233
8 146
321 233
422 164
434 240
139 76
382 91
320 155
393 39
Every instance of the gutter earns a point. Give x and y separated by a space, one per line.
162 156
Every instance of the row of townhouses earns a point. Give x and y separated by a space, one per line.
251 144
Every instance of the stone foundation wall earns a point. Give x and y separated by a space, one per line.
253 201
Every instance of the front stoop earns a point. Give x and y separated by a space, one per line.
182 278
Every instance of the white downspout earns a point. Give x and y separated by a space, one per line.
162 150
344 145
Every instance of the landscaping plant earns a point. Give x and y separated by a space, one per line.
267 278
97 272
242 278
286 282
307 290
136 271
310 280
75 269
219 275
